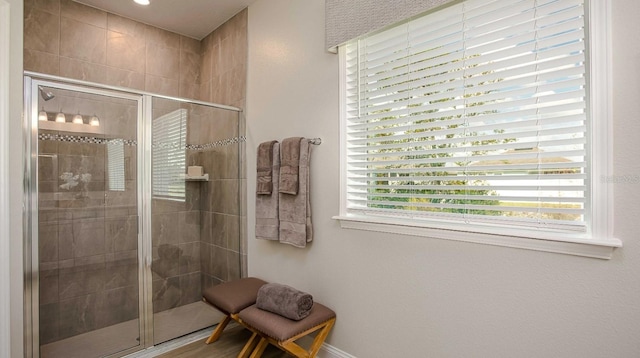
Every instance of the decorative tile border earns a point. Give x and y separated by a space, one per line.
219 143
83 139
95 140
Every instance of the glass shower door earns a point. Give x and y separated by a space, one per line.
195 216
86 251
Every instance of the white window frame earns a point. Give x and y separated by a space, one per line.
599 243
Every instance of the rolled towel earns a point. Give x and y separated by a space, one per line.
284 300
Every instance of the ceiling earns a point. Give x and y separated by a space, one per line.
192 18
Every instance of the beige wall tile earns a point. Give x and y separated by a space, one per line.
217 92
82 41
126 26
205 68
193 128
205 91
124 78
233 261
239 104
219 265
52 6
86 14
216 66
190 67
82 70
120 121
125 51
207 42
228 201
225 29
240 48
189 90
163 61
232 228
162 85
41 31
190 45
226 61
232 85
162 37
41 62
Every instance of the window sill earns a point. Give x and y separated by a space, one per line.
602 248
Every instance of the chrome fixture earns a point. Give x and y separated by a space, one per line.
46 95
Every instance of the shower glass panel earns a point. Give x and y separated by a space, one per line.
87 246
195 213
133 205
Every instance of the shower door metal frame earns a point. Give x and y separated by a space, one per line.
143 174
32 279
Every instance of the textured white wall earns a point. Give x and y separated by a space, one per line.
403 296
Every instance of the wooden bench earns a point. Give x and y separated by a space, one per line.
230 298
236 299
283 332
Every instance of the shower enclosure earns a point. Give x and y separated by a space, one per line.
120 239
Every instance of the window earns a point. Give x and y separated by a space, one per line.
169 134
115 164
475 118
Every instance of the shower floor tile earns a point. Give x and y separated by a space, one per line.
183 320
110 340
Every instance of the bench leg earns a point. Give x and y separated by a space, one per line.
249 346
257 353
218 331
293 348
320 337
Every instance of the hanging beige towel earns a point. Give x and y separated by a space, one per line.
295 210
267 222
289 165
264 184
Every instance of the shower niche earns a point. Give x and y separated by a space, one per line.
120 245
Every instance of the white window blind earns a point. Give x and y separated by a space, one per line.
115 164
169 134
476 113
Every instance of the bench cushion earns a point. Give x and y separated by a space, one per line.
281 328
233 296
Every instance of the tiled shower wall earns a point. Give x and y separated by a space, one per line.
223 80
220 209
68 39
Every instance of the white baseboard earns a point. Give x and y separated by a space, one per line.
329 351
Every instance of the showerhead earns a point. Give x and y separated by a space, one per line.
46 95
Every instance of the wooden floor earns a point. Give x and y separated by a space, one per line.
228 346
